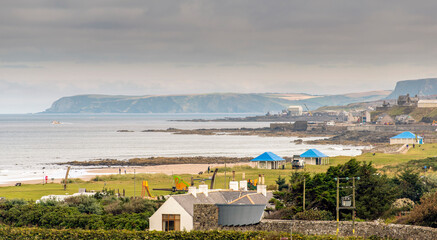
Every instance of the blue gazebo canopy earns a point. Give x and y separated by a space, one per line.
313 153
406 135
267 156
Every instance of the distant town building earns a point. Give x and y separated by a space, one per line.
365 117
427 103
385 119
295 110
406 100
352 118
406 138
404 119
269 160
385 106
359 117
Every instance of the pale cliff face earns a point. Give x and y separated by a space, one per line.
420 87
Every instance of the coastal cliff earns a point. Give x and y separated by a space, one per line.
420 87
201 103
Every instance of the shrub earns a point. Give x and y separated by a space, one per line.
314 215
48 234
423 214
79 212
283 213
85 204
127 205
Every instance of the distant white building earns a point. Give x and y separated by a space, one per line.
427 103
295 110
406 138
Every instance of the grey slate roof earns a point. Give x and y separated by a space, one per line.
187 201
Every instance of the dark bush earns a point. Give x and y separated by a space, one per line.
314 215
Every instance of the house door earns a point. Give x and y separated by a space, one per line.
171 222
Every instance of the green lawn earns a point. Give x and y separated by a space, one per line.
126 181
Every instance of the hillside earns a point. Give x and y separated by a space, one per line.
206 103
419 114
420 87
200 103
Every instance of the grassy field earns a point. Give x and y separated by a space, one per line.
126 181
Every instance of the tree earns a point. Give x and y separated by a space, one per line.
374 194
410 185
281 183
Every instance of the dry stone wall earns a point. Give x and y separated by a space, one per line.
205 217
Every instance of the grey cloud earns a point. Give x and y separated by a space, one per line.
300 32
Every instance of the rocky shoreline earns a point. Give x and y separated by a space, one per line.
354 138
154 161
262 132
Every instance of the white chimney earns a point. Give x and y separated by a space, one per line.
203 189
243 185
233 185
261 189
192 190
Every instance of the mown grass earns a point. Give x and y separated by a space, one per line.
126 181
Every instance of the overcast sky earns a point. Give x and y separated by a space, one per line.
50 49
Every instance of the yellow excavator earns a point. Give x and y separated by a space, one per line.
309 112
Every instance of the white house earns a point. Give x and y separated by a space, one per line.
177 212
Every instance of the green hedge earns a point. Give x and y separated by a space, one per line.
7 232
79 212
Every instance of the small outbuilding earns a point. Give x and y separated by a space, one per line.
385 119
406 138
315 157
269 160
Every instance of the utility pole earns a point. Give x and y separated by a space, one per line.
134 182
346 202
225 175
66 178
353 202
304 194
338 194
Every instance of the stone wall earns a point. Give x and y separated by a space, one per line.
205 217
393 128
364 229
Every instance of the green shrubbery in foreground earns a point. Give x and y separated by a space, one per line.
98 212
7 232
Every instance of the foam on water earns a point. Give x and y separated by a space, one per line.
30 145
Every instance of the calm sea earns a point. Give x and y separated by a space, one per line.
30 144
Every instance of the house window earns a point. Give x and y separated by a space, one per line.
171 222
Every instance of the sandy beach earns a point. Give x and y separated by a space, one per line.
165 169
